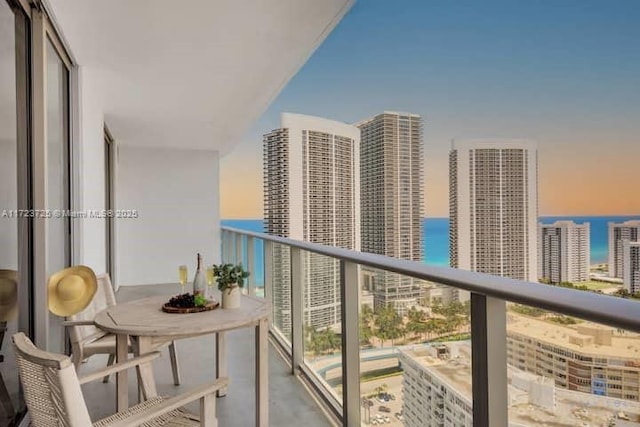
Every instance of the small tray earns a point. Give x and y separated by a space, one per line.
211 304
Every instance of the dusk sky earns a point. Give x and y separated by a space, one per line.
565 73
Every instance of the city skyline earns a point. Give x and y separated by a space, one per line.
562 74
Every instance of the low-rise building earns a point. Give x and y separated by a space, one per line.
584 357
437 392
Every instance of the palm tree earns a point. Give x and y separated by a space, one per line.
389 324
366 320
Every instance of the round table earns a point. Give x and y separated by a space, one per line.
148 327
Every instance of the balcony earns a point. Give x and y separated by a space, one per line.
75 77
483 387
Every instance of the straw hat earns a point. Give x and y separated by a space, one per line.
8 295
71 290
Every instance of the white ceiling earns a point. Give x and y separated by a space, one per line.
193 73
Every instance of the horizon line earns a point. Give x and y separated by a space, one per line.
446 217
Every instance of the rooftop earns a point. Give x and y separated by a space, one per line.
584 337
525 408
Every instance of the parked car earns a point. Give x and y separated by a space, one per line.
384 409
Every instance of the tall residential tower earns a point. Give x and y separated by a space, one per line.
563 252
628 231
391 179
311 193
493 207
631 276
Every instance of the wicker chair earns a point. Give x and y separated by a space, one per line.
87 340
54 398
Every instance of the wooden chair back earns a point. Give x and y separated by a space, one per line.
104 298
51 388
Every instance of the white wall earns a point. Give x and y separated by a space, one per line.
91 184
176 193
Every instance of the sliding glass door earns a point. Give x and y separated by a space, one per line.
57 176
16 308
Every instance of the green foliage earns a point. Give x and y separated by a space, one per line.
569 285
455 337
366 324
321 342
389 324
528 311
562 320
377 374
229 275
623 293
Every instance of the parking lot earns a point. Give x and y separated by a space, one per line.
378 417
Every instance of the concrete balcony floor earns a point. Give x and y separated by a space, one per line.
289 402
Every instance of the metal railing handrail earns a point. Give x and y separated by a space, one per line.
613 311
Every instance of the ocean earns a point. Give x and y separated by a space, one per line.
435 234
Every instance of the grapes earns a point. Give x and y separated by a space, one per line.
183 301
200 300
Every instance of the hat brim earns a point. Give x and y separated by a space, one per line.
9 308
68 308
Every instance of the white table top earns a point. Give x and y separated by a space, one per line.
144 317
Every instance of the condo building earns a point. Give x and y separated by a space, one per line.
437 392
493 207
628 231
563 252
311 193
631 256
392 188
584 357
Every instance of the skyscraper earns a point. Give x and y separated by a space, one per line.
391 179
631 276
563 252
493 207
628 231
311 193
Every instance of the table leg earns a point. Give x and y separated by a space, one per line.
221 359
122 378
146 381
262 374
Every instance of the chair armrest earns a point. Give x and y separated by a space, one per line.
171 404
117 367
78 323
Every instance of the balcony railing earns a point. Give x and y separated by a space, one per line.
488 297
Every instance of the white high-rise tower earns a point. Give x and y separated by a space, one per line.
631 276
628 231
563 252
311 193
493 207
392 188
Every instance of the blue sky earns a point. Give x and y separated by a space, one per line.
566 73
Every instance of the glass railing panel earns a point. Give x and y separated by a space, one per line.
252 258
564 370
322 327
414 345
258 266
279 265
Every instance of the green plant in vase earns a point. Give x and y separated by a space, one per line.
230 279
